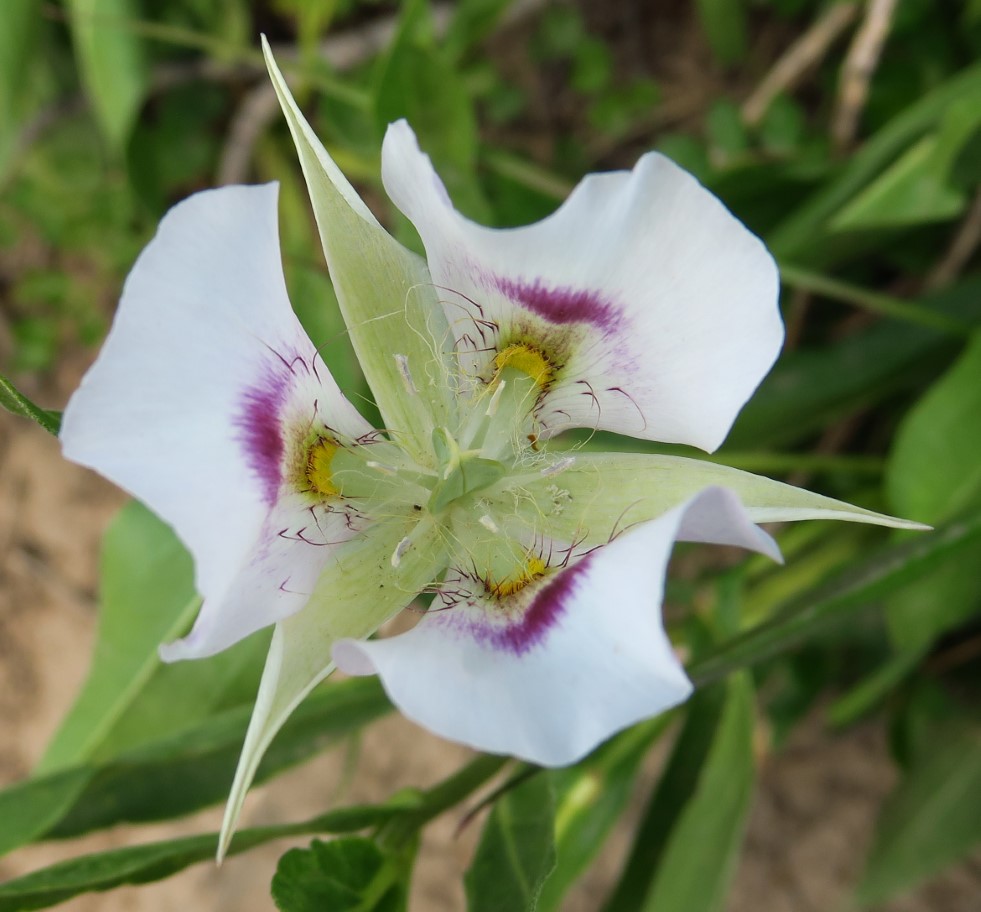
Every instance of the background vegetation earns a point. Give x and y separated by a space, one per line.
847 134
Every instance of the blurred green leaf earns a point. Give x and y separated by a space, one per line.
930 820
726 133
110 59
147 598
13 400
700 857
188 771
913 190
417 81
29 809
343 875
798 236
516 850
472 21
664 808
809 388
860 585
874 688
934 472
726 28
155 861
19 21
589 799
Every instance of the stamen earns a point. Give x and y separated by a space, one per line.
488 524
560 465
400 549
403 364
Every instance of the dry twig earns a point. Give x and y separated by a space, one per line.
858 69
804 54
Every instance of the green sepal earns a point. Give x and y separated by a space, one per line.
385 293
598 494
357 592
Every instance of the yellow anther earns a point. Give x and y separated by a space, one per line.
534 569
527 359
319 458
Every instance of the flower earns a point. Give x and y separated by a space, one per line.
640 307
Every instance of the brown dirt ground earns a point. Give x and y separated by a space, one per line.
810 824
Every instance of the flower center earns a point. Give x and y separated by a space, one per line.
460 471
320 456
528 360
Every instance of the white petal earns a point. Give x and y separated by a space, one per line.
588 656
186 405
659 306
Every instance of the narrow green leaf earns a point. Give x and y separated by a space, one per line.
343 875
666 804
192 770
859 586
874 688
930 820
700 857
110 59
725 27
795 238
147 598
921 186
516 851
589 799
188 771
416 81
155 861
934 469
19 32
810 388
29 809
941 431
13 400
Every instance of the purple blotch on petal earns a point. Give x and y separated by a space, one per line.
562 305
545 610
259 421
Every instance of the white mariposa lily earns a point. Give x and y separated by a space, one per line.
642 306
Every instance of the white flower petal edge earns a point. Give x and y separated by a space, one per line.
654 307
583 656
186 406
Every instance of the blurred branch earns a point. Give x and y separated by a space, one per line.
804 54
857 71
962 248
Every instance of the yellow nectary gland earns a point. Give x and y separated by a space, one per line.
319 458
528 359
534 570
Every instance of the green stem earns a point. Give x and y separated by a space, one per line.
398 832
872 301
